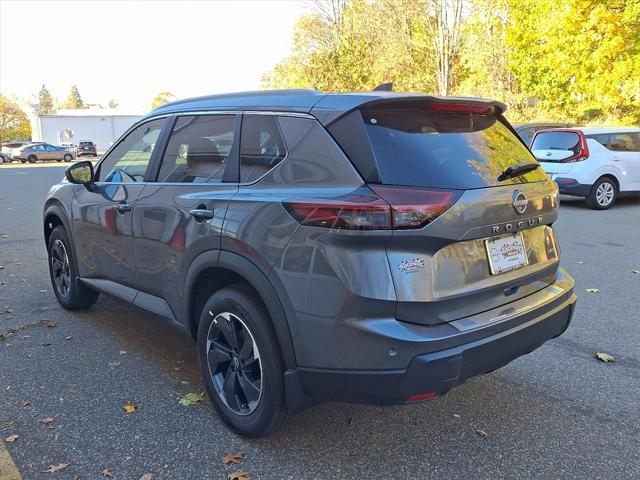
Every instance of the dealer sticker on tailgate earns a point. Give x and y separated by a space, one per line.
506 253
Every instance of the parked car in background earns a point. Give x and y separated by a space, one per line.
69 146
5 158
41 151
8 148
526 131
87 147
376 248
598 163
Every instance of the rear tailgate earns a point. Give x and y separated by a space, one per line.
442 271
557 150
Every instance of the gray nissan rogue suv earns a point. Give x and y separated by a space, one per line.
377 248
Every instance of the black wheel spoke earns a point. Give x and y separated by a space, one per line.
228 332
229 388
246 351
217 356
250 390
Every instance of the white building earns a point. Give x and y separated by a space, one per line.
101 126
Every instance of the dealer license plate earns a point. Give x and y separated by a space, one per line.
506 253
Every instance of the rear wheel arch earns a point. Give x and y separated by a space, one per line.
611 177
214 270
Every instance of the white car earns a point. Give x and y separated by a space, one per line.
598 163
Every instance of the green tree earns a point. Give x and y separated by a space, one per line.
162 98
14 123
579 58
357 45
46 101
74 100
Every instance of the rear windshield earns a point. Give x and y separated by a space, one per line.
86 144
459 150
557 141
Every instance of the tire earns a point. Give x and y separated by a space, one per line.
68 158
23 160
32 159
603 194
71 293
238 309
2 159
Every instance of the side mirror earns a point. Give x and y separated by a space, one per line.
81 173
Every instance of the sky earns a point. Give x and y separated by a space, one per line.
132 50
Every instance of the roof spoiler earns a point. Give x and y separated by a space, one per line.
384 87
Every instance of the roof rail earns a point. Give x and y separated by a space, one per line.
384 87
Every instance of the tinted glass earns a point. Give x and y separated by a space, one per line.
557 141
602 139
416 147
198 150
623 142
261 146
128 161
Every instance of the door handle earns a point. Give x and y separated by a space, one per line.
122 207
201 214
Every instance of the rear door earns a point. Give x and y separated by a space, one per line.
484 240
181 214
624 150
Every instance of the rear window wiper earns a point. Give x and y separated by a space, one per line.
518 169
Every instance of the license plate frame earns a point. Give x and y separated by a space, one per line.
506 253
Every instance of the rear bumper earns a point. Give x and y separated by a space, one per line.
477 351
570 186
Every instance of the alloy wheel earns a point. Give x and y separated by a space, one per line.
604 194
61 268
234 363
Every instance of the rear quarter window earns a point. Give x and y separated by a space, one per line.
457 150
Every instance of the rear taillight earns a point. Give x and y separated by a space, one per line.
343 215
393 207
415 207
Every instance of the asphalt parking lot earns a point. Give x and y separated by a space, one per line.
555 413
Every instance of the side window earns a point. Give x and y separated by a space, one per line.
623 142
39 148
602 139
198 150
128 161
261 146
50 148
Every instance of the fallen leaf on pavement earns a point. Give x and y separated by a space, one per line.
637 272
45 322
232 458
55 468
146 476
238 475
605 357
482 433
114 364
580 263
106 473
47 421
191 399
25 403
11 438
123 352
593 290
69 337
129 406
